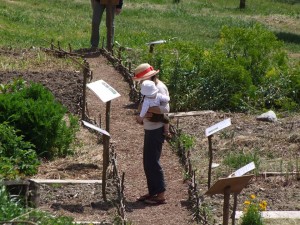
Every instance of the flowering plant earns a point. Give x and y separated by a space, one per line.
252 211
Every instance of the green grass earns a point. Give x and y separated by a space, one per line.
35 23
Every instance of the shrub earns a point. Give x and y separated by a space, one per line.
18 157
246 70
34 111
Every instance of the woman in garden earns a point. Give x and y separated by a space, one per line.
153 139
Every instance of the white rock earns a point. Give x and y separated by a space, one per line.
269 116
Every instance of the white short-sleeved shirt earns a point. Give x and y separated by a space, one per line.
164 108
156 100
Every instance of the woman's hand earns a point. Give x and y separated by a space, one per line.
139 119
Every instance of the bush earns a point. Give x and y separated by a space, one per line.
246 70
18 158
40 118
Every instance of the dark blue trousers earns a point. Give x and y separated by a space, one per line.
153 141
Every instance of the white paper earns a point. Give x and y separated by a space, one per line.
95 128
244 170
103 90
219 126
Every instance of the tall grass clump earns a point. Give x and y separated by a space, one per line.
34 111
239 159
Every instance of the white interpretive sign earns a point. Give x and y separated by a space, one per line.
243 170
219 126
157 42
95 128
103 90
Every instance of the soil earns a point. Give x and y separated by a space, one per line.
279 141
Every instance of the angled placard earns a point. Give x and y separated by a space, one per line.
236 185
95 128
218 126
243 170
103 90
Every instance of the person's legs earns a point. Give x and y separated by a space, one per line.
113 25
98 10
152 150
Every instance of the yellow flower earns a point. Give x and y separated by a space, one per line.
264 203
262 207
252 196
247 202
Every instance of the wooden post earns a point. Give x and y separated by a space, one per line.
234 208
85 74
34 194
210 153
106 150
109 20
226 205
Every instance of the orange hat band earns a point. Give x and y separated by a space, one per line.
141 74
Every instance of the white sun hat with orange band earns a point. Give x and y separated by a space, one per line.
143 72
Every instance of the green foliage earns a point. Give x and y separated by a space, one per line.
252 211
255 48
35 112
18 157
10 209
13 86
252 216
237 160
247 69
184 141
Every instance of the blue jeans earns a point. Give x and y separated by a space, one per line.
153 141
98 10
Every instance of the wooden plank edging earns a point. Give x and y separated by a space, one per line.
67 181
191 113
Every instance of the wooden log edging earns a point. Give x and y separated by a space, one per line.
198 213
119 182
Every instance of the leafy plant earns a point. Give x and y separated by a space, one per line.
236 160
11 209
252 211
18 157
40 118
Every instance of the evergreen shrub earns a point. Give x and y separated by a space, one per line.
40 118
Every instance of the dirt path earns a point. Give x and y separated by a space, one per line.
127 137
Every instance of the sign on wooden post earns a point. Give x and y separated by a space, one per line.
209 132
106 93
226 186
